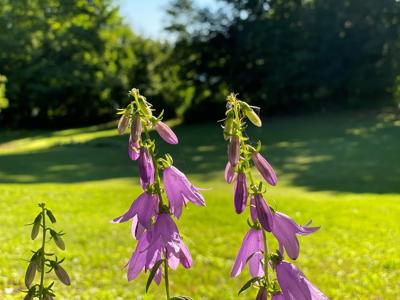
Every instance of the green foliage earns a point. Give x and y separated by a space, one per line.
68 61
3 99
290 55
332 167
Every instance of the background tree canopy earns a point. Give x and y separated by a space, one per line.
70 63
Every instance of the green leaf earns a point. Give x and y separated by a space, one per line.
181 298
153 273
248 284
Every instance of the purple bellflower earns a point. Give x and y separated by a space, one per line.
278 296
252 251
234 150
133 149
260 210
285 230
145 207
179 190
161 241
166 133
294 285
230 173
146 168
264 168
240 193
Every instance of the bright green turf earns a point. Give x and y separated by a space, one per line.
343 171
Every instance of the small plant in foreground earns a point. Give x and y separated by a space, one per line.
289 283
42 261
159 246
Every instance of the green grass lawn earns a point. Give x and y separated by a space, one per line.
342 171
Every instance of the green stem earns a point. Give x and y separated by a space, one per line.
42 253
166 277
266 257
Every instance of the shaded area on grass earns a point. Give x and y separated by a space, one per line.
346 152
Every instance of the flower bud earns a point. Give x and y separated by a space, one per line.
166 133
35 230
57 239
251 114
144 107
123 124
136 129
240 193
234 150
30 274
62 274
264 168
228 125
51 216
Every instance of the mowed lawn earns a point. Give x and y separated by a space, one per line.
342 171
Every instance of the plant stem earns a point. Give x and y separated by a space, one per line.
166 277
42 253
266 257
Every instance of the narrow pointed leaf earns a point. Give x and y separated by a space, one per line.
153 273
248 284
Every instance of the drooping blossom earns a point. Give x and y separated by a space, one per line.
133 149
278 296
285 230
260 210
240 193
264 168
179 190
262 293
166 133
252 251
234 150
230 173
294 285
162 241
146 167
145 207
137 229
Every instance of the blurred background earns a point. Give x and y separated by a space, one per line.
326 74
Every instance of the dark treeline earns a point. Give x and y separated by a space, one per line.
69 63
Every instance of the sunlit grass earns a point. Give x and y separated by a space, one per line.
340 171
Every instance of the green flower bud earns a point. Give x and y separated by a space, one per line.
51 216
250 114
36 227
144 107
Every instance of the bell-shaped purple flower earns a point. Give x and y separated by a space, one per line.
230 173
252 251
294 285
166 133
137 229
264 168
179 190
133 149
240 193
262 293
146 168
285 230
260 210
145 207
234 150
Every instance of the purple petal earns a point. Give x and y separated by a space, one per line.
278 296
252 243
240 193
234 150
262 293
137 261
255 265
264 213
146 167
133 149
264 168
230 173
